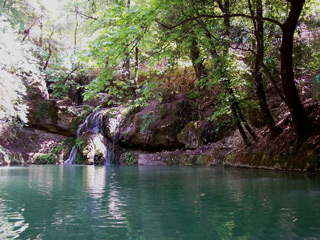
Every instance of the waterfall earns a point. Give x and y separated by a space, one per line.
72 156
93 124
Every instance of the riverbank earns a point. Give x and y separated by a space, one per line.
165 134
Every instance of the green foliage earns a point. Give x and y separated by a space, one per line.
115 31
121 31
57 149
58 85
49 158
16 63
194 95
145 93
79 158
147 120
79 142
221 111
80 118
130 159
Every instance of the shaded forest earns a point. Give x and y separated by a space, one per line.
249 66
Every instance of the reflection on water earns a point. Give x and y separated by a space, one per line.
12 222
88 202
96 181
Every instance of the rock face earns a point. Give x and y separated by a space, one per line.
306 158
29 143
36 89
4 157
48 116
157 126
205 157
190 135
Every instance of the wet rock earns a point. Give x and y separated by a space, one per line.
93 149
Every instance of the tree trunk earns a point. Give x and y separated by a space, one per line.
127 71
137 67
197 63
48 58
301 124
27 31
50 52
239 126
225 7
235 107
127 75
4 5
75 32
258 28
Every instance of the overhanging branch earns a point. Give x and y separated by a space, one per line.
167 26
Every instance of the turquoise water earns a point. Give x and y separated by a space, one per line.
113 202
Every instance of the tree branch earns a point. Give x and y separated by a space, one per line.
27 31
50 52
72 71
266 70
167 26
86 16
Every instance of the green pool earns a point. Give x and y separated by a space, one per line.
114 202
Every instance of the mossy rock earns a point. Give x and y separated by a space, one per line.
203 160
173 160
190 135
187 160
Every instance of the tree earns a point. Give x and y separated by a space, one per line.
301 124
299 118
258 25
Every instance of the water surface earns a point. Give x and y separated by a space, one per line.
113 202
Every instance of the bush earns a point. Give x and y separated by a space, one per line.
79 159
57 149
49 158
130 159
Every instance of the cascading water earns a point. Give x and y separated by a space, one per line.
93 124
72 156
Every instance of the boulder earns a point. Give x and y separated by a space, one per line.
65 102
36 88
